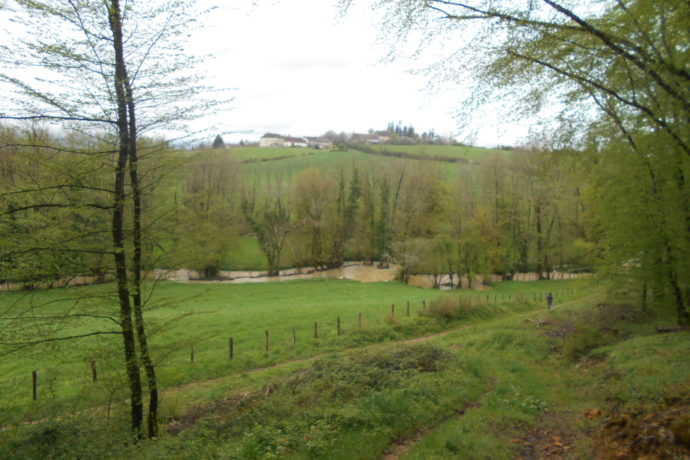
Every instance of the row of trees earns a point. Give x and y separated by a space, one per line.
512 213
619 72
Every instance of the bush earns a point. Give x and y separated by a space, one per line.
449 309
594 329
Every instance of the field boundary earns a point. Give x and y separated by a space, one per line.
414 156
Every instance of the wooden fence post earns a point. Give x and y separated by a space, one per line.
266 332
191 354
294 336
316 329
94 375
360 320
423 305
231 348
393 309
34 381
338 326
408 308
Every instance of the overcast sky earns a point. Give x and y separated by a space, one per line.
300 69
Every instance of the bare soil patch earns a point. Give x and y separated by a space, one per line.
657 435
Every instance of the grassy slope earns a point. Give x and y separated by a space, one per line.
269 153
505 385
206 315
504 373
247 255
450 151
334 160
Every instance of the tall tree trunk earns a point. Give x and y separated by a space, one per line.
137 268
540 243
131 362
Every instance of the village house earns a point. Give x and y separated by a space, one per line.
278 140
373 138
319 143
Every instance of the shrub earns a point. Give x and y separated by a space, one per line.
449 309
603 326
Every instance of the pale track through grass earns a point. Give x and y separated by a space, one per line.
401 447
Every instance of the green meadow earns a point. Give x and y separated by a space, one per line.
444 151
468 374
203 317
249 154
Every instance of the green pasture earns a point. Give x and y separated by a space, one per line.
448 151
252 153
247 255
244 154
336 160
503 368
322 159
205 316
286 162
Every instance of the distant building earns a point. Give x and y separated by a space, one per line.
370 138
278 140
319 143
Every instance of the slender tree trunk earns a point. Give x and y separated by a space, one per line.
682 312
540 243
131 362
137 268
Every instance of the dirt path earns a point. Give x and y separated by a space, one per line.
543 442
401 447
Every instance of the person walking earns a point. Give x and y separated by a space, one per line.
549 300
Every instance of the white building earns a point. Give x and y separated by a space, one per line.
278 140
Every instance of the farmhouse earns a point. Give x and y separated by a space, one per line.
278 140
372 138
319 142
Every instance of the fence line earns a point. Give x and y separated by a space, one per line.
519 297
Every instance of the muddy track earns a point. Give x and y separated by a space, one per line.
399 448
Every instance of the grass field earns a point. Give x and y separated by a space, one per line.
247 255
500 379
270 153
206 315
335 160
447 151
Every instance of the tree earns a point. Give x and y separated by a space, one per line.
314 208
206 219
270 218
218 142
618 70
126 75
325 211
